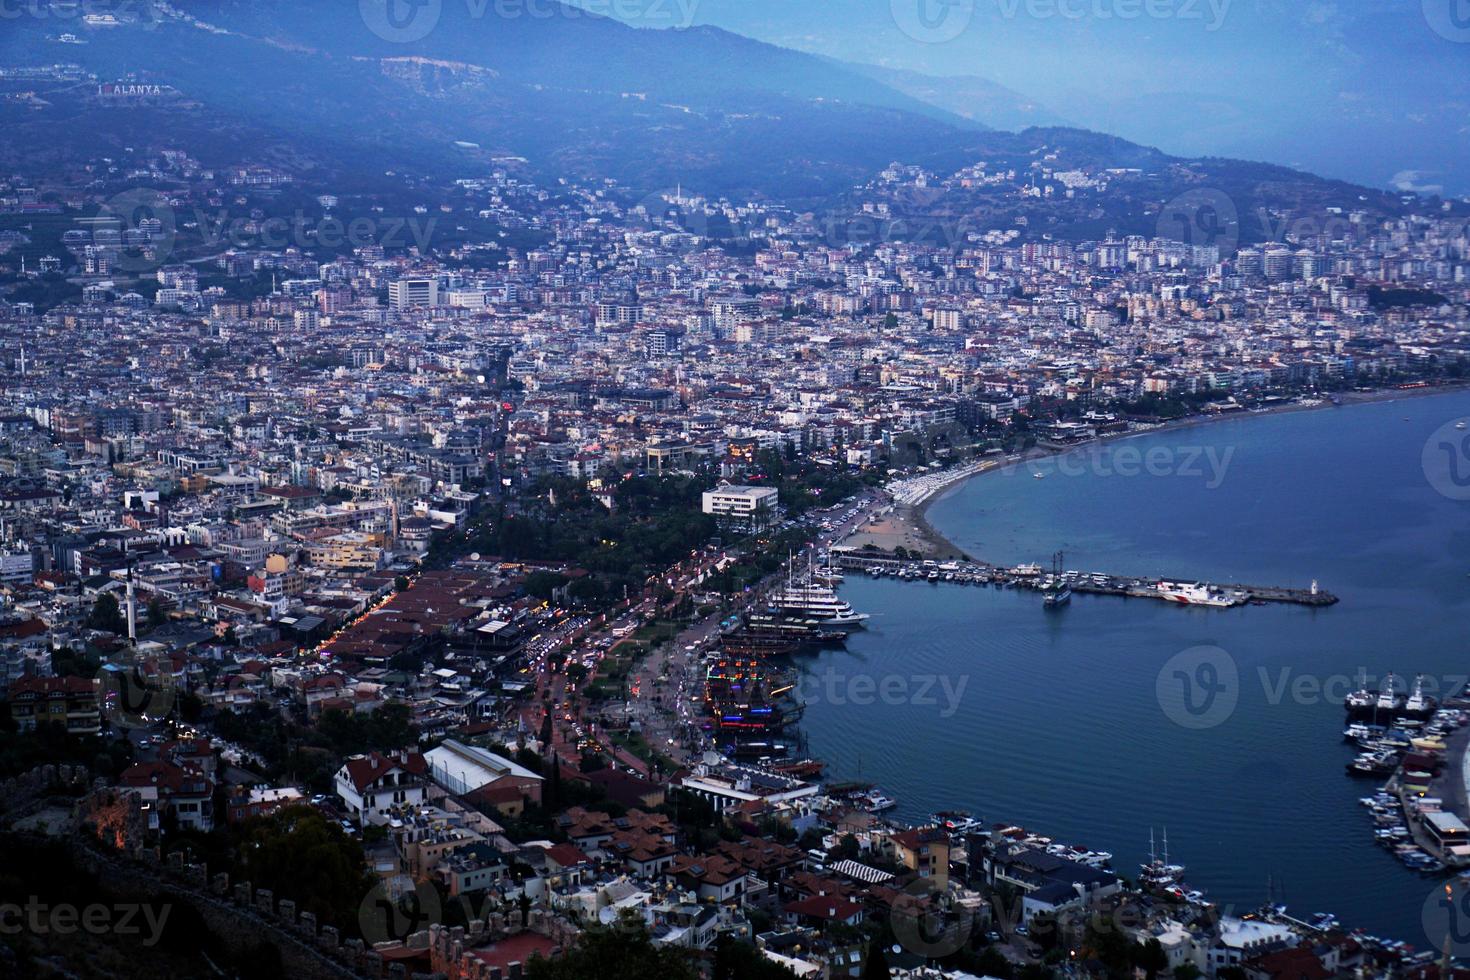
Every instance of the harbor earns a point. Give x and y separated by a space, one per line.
1420 813
1059 584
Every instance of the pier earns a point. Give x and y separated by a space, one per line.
1223 595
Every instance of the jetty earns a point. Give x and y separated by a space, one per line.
1185 591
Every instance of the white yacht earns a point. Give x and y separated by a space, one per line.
818 602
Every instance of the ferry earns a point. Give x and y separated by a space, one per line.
1198 594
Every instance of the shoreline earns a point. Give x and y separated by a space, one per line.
940 547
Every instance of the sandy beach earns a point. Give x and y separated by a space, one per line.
908 525
905 527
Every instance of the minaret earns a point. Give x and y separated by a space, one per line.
22 360
132 612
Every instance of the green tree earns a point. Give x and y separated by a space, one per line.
105 615
736 960
297 854
615 954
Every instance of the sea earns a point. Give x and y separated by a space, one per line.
1111 718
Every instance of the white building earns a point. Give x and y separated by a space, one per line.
405 294
749 508
371 784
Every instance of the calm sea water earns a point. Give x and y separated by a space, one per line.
1059 723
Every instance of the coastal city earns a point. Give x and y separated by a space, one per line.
425 580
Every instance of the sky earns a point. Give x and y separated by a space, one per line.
1374 91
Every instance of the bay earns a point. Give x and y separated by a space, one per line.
976 698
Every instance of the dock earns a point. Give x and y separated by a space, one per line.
1223 595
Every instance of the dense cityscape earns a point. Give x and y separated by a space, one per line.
414 579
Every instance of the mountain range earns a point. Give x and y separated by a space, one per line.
350 90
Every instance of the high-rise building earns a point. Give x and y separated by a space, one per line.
406 294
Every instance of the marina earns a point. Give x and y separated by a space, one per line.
1420 812
1091 669
1059 585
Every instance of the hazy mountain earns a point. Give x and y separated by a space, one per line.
1361 90
328 86
969 96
